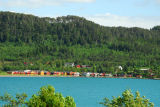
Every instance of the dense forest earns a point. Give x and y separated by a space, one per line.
31 42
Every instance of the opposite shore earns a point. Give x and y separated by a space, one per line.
75 76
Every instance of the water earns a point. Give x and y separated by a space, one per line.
87 92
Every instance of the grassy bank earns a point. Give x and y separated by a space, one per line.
3 73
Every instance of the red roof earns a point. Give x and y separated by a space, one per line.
78 66
25 63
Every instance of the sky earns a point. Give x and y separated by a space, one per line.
126 13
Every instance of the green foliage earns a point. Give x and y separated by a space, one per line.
14 102
156 28
127 100
3 73
48 98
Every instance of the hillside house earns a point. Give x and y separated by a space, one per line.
69 65
145 70
78 66
86 66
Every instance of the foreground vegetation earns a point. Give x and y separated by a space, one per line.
30 42
46 97
128 100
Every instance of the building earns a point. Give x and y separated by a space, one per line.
102 74
42 73
69 65
108 75
145 70
96 74
138 76
78 66
86 66
27 70
33 73
76 74
71 73
48 73
88 74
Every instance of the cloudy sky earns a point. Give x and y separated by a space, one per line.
128 13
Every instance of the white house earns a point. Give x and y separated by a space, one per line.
27 71
69 65
144 69
76 74
109 75
87 74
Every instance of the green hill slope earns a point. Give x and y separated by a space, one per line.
49 43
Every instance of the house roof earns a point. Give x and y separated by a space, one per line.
144 69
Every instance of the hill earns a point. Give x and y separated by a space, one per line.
48 43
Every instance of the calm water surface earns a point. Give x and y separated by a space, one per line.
87 92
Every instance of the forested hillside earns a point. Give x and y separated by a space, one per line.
48 43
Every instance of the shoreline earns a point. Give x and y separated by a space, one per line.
75 77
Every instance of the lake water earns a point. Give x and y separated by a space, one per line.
87 92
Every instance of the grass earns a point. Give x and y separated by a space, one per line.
3 73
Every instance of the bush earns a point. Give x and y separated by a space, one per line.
46 97
127 100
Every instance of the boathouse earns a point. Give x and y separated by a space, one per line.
42 73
